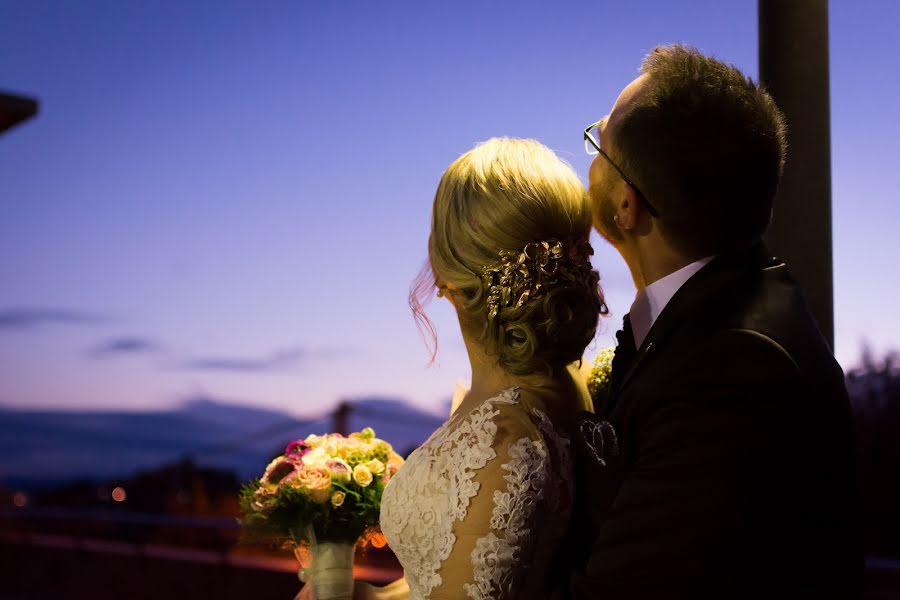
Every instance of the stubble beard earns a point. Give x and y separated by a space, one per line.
604 213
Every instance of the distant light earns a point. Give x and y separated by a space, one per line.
20 499
118 494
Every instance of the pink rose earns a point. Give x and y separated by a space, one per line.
277 470
296 449
340 470
395 461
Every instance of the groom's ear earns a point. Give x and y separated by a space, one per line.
628 209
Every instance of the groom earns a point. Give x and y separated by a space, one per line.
722 465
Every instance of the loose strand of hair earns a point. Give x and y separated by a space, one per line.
420 294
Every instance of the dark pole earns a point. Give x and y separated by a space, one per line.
793 65
342 418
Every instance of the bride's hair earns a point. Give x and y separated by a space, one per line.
509 238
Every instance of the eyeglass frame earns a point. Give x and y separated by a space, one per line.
596 144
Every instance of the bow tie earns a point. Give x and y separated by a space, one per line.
625 353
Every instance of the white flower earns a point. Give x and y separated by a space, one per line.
347 447
333 445
337 498
316 458
314 441
375 466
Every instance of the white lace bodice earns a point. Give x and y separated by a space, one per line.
478 511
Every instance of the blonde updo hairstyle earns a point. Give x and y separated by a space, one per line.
502 195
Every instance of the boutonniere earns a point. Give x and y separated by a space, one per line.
599 377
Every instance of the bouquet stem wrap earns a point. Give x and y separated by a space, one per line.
332 571
328 568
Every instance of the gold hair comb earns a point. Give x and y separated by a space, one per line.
524 274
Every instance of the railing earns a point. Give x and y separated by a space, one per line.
113 554
102 554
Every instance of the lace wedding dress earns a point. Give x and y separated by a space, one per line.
479 510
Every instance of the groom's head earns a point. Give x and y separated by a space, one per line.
702 148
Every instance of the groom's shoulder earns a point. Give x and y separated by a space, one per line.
761 335
736 356
767 310
780 312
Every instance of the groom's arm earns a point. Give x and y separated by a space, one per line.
704 451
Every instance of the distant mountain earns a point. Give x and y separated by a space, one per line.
50 447
404 426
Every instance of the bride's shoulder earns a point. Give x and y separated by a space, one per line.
511 426
502 413
523 412
511 413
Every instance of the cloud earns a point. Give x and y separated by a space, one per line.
277 361
21 318
126 345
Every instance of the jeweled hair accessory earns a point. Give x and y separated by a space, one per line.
526 273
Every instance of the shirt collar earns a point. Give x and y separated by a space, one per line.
650 301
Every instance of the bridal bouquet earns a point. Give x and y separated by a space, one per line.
322 496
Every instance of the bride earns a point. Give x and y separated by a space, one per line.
479 510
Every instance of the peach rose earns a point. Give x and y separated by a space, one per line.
316 481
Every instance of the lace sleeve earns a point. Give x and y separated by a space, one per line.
495 534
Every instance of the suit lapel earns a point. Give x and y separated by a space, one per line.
690 304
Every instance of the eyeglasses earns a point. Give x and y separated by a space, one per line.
592 147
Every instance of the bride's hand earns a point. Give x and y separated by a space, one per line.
397 590
361 591
364 591
306 593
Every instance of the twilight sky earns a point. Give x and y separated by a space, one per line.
231 198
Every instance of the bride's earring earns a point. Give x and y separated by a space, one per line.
616 219
440 293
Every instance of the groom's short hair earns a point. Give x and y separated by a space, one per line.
706 145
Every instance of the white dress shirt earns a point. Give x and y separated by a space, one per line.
650 301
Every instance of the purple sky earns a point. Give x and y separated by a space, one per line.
232 200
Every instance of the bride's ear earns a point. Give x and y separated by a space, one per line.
446 291
450 292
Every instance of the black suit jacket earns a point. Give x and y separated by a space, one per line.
733 472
